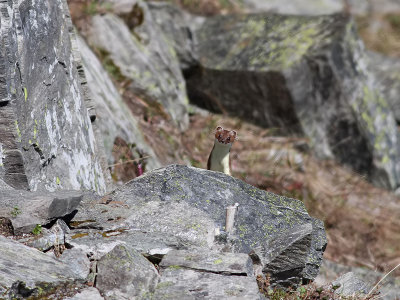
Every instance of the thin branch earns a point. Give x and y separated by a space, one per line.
383 278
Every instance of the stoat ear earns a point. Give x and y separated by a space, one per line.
232 133
219 128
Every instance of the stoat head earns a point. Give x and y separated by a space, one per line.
223 136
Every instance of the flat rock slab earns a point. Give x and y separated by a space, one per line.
124 273
185 284
150 227
100 242
209 261
29 269
27 209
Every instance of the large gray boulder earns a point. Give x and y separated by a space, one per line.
46 137
179 207
114 117
143 56
29 272
306 75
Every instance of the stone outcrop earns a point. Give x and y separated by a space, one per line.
142 55
114 118
283 239
46 137
306 75
28 209
173 217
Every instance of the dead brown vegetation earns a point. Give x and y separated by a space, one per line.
381 33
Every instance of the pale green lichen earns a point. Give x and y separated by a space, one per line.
25 93
174 267
18 131
385 159
286 42
34 132
217 261
373 107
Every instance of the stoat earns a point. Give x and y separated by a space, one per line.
219 156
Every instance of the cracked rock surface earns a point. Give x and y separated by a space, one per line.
46 136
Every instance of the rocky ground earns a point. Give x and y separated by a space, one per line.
169 225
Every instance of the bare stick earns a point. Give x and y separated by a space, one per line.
383 278
230 217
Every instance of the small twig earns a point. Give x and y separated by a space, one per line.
129 161
383 278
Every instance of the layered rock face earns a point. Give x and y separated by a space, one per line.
143 56
47 141
114 118
307 75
